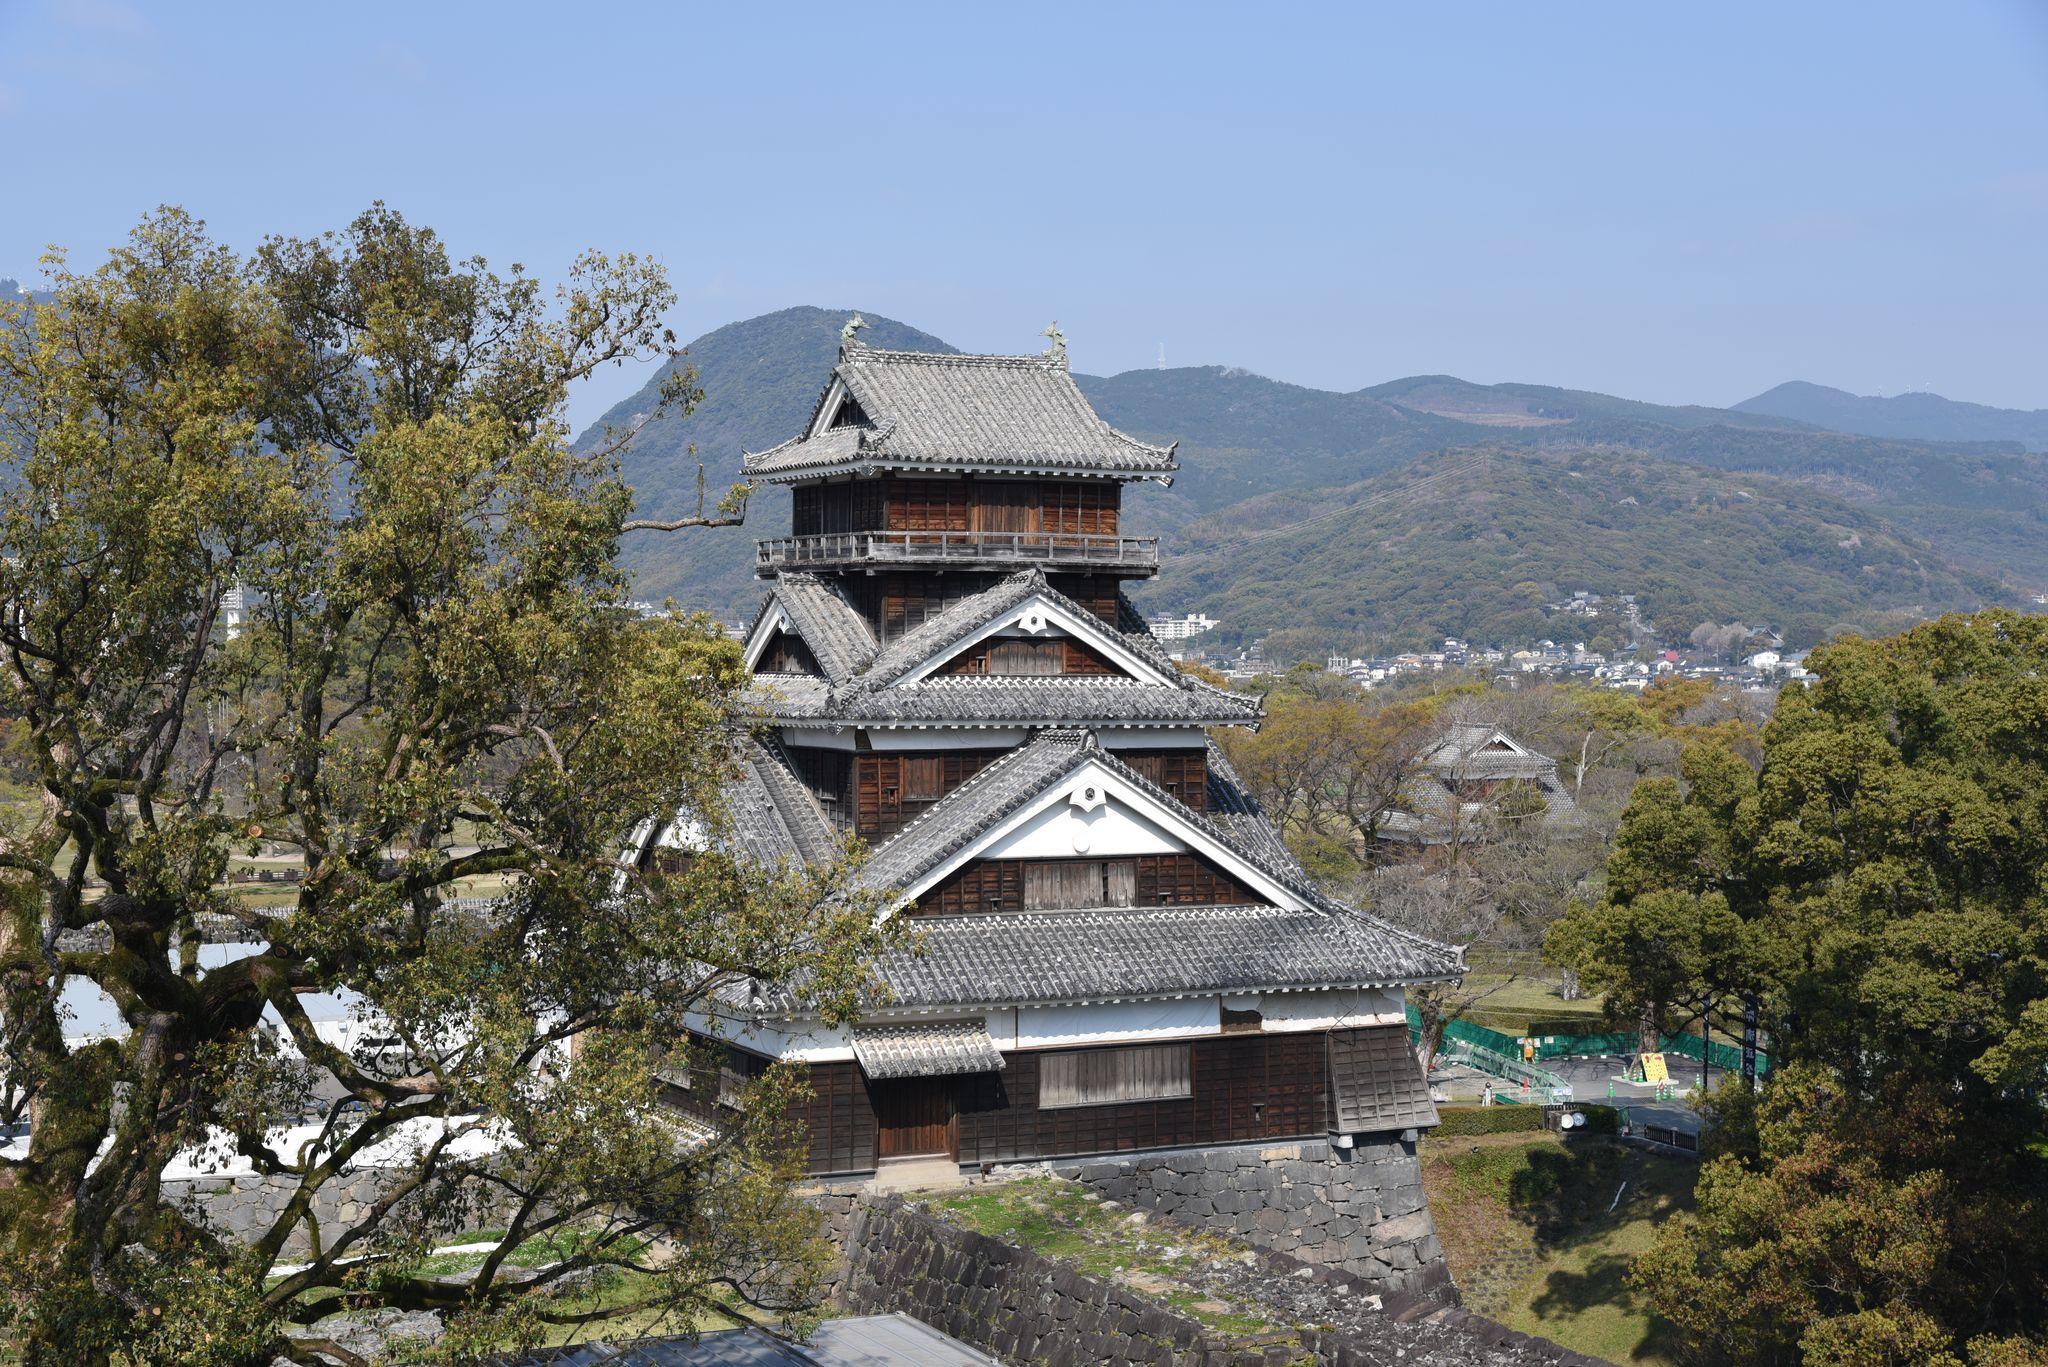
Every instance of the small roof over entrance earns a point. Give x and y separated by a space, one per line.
921 1050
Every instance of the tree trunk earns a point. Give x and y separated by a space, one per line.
1429 1037
1648 1038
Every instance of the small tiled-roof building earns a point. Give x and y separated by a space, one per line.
1113 950
1463 777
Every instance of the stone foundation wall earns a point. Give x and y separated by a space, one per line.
244 1207
1027 1309
1360 1210
1005 1300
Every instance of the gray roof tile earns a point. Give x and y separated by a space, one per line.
769 816
837 634
938 1049
957 412
982 700
956 820
1122 953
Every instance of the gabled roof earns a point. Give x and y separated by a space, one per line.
926 411
1118 953
944 635
861 682
1477 750
769 817
975 806
959 822
815 610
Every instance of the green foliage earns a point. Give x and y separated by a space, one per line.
1665 936
1470 1120
1885 1198
438 682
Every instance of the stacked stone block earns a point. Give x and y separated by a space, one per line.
1361 1210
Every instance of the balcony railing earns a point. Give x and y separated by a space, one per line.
1140 553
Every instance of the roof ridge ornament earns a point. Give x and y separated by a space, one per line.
1057 351
848 335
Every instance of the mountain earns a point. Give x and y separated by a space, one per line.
1256 451
760 378
1904 415
1983 505
1475 543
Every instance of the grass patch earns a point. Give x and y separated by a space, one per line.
1062 1221
1540 1234
1511 1006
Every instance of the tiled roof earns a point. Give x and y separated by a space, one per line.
982 700
941 629
838 635
939 1049
1231 806
1376 1082
954 412
856 685
770 817
974 806
1120 953
956 820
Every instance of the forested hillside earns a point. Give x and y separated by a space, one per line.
1474 544
1241 434
1257 452
1927 416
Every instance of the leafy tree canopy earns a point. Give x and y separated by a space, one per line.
436 691
1878 887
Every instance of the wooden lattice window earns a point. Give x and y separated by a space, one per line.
1109 1077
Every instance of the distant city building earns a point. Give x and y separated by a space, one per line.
234 611
1181 628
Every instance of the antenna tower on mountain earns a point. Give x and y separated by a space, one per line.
1162 356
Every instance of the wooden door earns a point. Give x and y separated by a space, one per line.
1006 506
914 1118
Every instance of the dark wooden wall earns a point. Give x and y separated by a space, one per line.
890 790
1183 773
970 504
786 653
997 885
1246 1087
1028 656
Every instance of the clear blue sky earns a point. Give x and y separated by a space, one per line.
1679 203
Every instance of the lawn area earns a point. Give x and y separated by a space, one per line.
1540 1235
1510 1007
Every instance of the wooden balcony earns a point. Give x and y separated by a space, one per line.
1134 555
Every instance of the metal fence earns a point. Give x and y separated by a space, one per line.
1726 1057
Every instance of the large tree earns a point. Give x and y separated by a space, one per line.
436 689
1885 1198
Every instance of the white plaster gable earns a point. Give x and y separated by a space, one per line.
1093 811
828 410
1039 616
774 620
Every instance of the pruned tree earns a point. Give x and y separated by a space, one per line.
438 691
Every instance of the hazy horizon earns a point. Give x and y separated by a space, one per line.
1680 207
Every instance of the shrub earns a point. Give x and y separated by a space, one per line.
1457 1120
